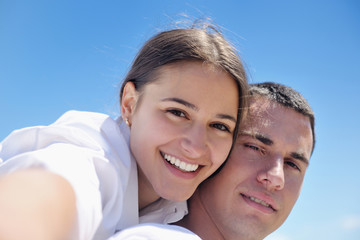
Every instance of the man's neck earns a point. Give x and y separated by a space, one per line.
199 221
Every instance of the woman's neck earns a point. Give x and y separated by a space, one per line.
147 194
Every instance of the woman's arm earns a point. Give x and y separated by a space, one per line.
36 204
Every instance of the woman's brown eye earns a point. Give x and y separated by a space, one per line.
221 127
176 112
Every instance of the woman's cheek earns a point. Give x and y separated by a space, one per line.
222 150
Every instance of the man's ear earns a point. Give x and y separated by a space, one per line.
128 101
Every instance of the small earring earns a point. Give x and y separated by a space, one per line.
127 122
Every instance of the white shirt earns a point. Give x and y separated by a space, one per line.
92 152
155 232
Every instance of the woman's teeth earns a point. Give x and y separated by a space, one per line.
186 167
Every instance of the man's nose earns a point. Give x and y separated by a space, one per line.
272 173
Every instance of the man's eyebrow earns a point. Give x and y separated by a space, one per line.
181 101
258 136
267 141
192 106
300 157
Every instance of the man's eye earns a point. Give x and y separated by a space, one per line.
252 147
176 112
221 127
292 165
255 148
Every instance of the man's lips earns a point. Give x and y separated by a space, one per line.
262 200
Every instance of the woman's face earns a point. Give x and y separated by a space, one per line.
182 129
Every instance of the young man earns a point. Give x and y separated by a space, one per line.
255 191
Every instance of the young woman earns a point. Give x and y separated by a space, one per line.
88 176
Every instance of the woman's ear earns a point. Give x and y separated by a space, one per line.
128 101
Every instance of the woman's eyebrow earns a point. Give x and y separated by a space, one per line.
226 116
195 108
181 101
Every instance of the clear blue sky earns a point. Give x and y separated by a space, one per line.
62 55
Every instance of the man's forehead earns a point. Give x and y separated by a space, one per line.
259 114
272 123
259 105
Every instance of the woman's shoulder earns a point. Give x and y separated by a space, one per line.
82 117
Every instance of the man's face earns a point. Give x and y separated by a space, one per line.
257 188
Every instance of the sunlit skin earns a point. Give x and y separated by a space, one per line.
183 114
257 188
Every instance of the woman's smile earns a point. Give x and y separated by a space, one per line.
182 165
